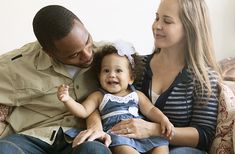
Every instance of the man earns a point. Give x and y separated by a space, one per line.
39 123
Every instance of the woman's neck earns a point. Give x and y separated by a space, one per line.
170 59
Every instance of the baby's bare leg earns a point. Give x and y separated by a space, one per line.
160 150
123 149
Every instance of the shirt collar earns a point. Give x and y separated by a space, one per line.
43 61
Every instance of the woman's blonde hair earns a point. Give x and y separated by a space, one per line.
200 51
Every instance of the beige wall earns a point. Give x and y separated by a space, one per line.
110 20
223 25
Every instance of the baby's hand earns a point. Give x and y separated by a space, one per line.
167 128
63 93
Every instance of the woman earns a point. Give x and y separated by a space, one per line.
180 77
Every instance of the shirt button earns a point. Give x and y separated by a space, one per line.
77 86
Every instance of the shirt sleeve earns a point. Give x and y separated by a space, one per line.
6 86
205 110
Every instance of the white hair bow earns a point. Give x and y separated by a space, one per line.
125 49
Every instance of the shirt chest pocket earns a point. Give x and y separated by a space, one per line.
41 89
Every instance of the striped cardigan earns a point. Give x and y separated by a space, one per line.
181 105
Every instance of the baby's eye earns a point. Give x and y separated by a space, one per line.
106 70
119 70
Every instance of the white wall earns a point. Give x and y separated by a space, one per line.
111 19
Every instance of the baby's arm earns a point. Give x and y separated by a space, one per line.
82 110
155 115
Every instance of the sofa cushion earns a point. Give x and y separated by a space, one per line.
224 137
231 85
4 110
228 68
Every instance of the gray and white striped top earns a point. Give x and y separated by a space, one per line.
181 104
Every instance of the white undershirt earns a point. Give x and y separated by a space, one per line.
72 70
154 97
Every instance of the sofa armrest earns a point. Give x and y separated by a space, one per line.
228 68
224 136
234 135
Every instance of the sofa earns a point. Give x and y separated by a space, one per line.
224 142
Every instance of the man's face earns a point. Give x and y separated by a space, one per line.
75 48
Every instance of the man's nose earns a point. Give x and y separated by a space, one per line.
86 54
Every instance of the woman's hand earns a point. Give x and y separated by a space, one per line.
136 128
91 135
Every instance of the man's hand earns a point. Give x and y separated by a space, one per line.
91 135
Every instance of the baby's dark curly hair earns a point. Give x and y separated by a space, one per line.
105 50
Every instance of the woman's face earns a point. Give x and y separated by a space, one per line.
167 28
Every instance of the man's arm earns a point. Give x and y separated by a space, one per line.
94 131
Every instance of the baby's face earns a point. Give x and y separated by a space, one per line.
115 74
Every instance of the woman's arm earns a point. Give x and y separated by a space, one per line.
139 128
185 136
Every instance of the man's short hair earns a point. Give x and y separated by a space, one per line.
52 23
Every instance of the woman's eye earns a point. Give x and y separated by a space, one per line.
157 18
167 22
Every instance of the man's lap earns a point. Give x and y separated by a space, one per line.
23 144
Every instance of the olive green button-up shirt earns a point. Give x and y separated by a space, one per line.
28 82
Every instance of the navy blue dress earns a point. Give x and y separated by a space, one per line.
113 109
